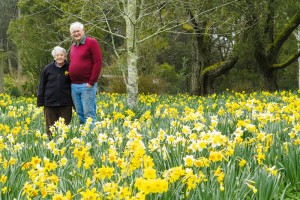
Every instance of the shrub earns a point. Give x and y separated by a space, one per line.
10 86
146 84
167 74
151 85
116 85
20 86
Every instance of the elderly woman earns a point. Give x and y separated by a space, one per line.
54 90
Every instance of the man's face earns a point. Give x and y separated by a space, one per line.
77 34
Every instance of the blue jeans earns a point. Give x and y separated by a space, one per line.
84 99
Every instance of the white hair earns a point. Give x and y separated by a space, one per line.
57 50
76 25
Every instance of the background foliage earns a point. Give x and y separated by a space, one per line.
31 28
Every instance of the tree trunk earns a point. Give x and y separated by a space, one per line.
265 66
10 68
20 67
9 59
200 56
1 70
203 62
131 47
269 80
297 34
204 85
195 75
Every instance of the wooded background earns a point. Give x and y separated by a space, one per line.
166 47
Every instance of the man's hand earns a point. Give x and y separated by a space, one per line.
88 85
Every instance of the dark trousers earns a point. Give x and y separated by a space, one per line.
52 114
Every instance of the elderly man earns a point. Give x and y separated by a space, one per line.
85 67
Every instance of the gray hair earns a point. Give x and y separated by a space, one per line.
57 50
76 25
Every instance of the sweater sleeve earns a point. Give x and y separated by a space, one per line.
97 61
41 89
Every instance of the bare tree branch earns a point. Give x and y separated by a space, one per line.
83 20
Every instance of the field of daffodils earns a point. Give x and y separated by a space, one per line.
229 146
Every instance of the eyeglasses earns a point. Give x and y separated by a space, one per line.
76 31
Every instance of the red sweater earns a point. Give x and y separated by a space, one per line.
85 62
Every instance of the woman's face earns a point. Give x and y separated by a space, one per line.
60 58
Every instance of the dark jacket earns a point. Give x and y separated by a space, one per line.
55 86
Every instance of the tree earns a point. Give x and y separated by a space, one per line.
266 35
226 34
252 32
9 11
1 71
211 29
297 35
131 18
35 33
143 20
